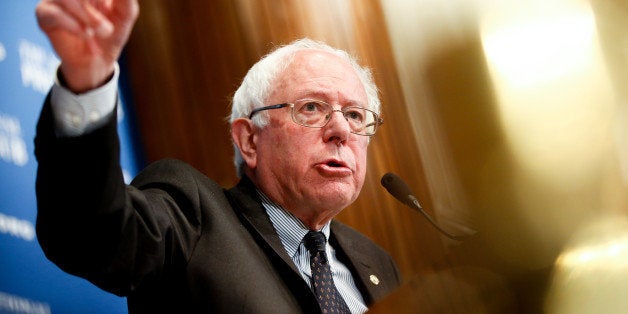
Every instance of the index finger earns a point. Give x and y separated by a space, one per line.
51 17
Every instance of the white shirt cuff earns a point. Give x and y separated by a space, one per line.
76 115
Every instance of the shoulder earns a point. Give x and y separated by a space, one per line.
167 166
172 171
182 182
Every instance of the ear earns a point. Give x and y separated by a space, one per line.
244 136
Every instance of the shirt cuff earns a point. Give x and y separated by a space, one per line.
78 114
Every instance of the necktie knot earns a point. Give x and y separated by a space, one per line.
315 242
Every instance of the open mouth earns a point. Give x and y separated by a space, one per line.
334 164
334 167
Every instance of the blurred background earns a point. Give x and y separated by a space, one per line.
509 120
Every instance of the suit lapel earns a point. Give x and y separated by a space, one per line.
247 204
359 258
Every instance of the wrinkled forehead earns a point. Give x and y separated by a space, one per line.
320 75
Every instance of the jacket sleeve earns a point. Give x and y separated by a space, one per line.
90 224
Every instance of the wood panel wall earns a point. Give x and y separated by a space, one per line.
186 58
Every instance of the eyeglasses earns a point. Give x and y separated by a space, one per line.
316 114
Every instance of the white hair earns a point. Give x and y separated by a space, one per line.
258 83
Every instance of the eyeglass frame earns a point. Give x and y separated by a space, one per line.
377 121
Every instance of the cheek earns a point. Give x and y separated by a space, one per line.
288 151
360 159
360 150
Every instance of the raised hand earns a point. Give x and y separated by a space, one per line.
88 36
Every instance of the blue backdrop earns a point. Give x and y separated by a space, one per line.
29 283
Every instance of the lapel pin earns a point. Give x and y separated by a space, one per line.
374 279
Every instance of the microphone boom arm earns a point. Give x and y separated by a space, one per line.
417 207
401 191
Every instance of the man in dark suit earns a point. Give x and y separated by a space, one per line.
175 241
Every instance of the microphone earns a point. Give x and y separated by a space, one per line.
401 191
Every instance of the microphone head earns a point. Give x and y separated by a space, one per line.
397 188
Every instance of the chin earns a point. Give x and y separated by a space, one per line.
333 197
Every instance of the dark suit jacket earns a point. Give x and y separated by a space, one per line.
174 240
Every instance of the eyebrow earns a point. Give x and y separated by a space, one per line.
311 94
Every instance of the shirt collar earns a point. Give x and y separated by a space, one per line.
290 229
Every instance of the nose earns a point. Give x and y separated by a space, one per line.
337 129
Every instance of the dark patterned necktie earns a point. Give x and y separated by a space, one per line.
323 285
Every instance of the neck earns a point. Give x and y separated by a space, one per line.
313 223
